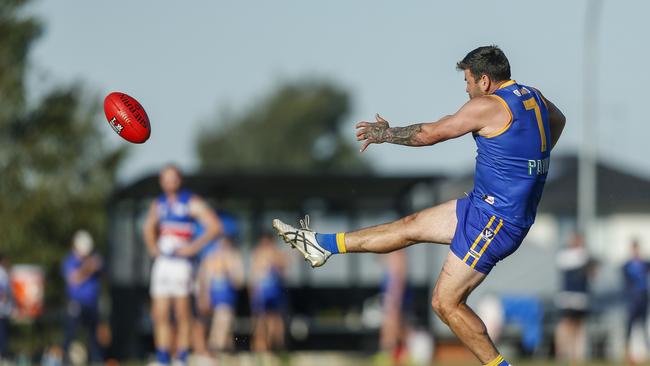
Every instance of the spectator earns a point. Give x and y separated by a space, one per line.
268 263
576 267
81 271
6 307
635 274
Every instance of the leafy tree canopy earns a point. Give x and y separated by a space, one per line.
295 128
55 171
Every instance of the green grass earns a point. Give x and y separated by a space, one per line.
348 359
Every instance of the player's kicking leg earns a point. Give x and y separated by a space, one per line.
436 225
470 233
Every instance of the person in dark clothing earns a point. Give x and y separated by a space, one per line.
635 275
577 267
81 271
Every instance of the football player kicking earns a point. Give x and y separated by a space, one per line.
514 127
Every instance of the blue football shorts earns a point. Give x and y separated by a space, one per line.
482 239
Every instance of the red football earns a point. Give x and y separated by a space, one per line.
127 117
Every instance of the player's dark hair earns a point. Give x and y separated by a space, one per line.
486 60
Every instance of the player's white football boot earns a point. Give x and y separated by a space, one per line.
304 240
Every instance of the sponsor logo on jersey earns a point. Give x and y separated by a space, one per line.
538 167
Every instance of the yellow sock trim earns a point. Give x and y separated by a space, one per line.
495 362
340 242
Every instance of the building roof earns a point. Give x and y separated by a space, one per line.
341 189
617 190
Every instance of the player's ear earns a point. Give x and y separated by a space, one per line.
484 83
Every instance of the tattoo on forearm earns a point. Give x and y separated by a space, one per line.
377 132
382 132
405 135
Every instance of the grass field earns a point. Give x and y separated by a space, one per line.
346 359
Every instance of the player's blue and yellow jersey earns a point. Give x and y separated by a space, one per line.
512 163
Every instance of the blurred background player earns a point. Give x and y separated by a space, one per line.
394 302
168 235
81 272
221 275
6 306
577 269
635 275
201 310
268 264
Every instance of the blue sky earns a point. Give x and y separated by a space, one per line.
185 63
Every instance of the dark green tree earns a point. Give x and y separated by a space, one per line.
294 129
55 173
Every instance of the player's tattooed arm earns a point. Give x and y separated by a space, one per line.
409 135
380 131
475 115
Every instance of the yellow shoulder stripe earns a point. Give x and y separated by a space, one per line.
506 84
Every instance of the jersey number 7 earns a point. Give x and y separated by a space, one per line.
531 104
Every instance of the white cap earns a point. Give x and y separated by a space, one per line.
82 243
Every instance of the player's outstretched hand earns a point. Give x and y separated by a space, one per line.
372 132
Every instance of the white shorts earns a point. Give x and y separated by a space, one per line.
171 277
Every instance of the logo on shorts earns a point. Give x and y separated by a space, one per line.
488 199
487 234
117 127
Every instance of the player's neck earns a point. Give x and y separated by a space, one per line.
496 86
